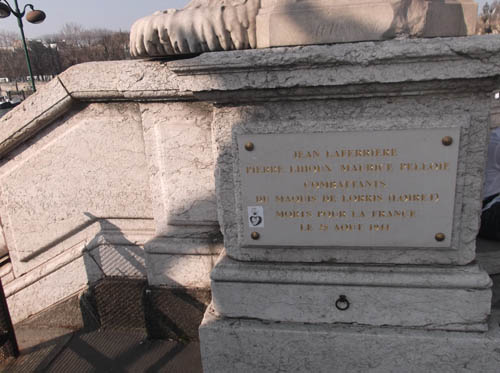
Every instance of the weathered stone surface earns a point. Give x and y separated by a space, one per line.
191 271
341 71
184 258
181 164
66 314
6 273
332 66
437 60
36 113
181 169
374 113
495 110
304 298
120 260
110 233
457 298
202 26
110 248
118 80
185 242
88 165
281 22
229 345
214 25
49 290
3 245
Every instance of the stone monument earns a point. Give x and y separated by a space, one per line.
215 25
348 181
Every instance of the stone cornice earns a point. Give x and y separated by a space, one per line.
311 71
387 62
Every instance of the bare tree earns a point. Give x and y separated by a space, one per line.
7 38
489 19
72 45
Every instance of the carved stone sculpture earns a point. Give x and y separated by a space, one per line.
202 26
213 25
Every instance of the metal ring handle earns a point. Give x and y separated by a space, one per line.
342 303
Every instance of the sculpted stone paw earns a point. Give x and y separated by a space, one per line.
202 26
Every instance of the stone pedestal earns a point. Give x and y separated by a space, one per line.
247 346
305 22
456 298
358 280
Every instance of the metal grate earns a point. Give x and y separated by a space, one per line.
175 313
119 303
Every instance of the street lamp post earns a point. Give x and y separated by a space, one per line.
33 16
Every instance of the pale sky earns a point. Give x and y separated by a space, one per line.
110 14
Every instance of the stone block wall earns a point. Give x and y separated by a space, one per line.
96 186
108 170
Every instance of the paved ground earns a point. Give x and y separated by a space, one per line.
59 350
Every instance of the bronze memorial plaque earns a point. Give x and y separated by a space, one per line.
375 188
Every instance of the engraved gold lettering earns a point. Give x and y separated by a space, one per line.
331 214
263 169
307 154
295 199
348 227
357 198
416 197
313 169
347 184
261 199
379 227
424 166
358 214
328 198
367 153
294 214
306 228
366 167
393 214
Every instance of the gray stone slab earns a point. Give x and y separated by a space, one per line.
37 112
333 116
449 298
392 61
77 167
238 345
323 22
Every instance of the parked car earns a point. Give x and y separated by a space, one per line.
9 104
5 105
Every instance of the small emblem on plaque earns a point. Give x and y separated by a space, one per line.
256 216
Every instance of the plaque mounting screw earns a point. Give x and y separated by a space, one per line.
447 140
439 237
249 146
255 235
